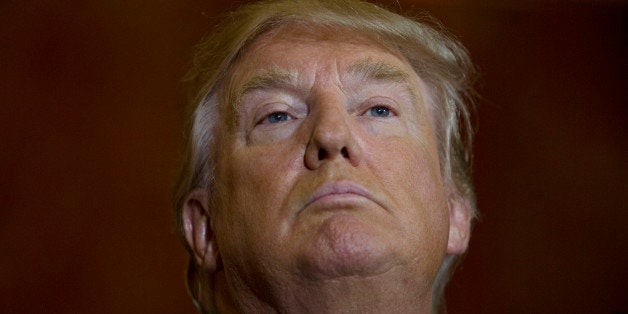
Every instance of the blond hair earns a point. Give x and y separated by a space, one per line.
435 56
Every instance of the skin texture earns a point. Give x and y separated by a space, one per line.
329 192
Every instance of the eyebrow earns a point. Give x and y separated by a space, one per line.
364 70
367 69
274 77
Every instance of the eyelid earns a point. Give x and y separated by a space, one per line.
276 107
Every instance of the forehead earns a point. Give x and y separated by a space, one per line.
301 48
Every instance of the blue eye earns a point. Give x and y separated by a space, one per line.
276 117
380 111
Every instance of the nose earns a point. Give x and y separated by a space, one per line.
332 138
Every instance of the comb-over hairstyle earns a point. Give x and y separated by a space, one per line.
438 59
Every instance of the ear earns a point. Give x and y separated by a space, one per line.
198 230
459 224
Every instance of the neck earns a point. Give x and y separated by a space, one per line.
375 294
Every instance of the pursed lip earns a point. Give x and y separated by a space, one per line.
338 188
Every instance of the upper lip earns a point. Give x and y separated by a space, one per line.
338 187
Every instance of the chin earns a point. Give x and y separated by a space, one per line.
344 245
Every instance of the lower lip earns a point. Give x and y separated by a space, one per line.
338 201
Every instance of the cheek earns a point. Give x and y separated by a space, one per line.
253 182
409 171
405 161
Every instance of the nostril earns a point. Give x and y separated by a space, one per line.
344 152
322 154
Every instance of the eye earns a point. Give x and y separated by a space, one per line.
379 111
277 117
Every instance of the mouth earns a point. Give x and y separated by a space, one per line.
343 190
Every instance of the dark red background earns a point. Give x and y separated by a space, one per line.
91 119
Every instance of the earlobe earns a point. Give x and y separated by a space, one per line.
198 231
459 225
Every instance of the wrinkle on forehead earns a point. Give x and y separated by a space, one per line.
305 33
363 70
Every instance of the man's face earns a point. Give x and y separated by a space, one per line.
331 168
